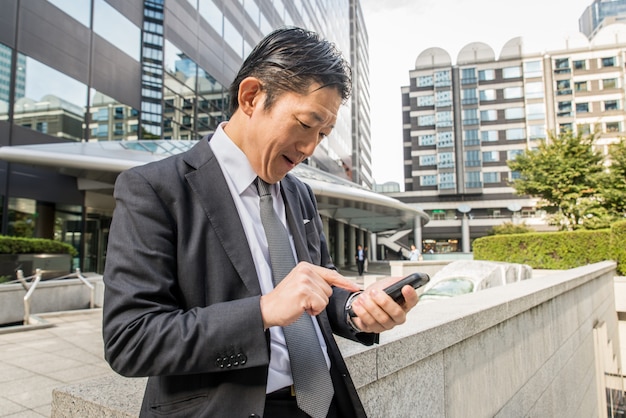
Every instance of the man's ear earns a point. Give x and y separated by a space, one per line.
250 90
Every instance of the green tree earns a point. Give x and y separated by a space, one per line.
614 185
510 228
564 172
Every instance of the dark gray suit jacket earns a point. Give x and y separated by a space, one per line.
182 293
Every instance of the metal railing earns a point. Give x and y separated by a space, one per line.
31 287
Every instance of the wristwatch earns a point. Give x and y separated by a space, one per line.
350 313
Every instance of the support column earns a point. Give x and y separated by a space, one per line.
326 227
465 233
417 233
340 245
351 245
373 247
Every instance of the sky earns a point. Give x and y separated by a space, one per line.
399 30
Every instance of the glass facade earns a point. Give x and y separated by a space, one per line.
113 70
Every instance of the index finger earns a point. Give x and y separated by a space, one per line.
333 278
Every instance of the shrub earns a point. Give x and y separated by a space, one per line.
19 245
548 250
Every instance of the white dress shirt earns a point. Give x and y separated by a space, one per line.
240 178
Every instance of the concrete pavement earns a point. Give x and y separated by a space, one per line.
34 362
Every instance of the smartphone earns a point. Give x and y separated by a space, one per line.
416 280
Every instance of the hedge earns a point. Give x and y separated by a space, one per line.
618 246
551 250
19 245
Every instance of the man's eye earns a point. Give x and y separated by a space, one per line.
305 126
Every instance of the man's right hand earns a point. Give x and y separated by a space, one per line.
307 288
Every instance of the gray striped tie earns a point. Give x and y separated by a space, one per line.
311 378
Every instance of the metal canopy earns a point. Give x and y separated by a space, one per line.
96 165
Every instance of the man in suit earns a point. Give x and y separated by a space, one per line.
189 298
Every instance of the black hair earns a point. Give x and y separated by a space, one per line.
292 59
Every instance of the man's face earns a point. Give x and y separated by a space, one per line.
285 135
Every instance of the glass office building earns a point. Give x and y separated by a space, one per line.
131 70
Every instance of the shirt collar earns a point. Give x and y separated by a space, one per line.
233 161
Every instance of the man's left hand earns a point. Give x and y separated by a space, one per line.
377 312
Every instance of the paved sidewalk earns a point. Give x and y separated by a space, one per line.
34 362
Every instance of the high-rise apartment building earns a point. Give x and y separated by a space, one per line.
601 13
463 121
108 70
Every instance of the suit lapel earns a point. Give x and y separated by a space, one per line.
209 184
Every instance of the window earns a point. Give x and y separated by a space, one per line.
514 113
580 64
470 117
429 180
426 160
116 28
425 81
486 95
443 98
609 83
45 94
426 140
444 119
486 75
580 86
445 159
611 105
534 90
488 115
512 72
446 181
532 69
425 101
608 62
491 178
491 156
472 158
470 134
513 93
445 139
582 107
512 154
566 127
233 36
468 75
472 179
79 10
426 120
468 96
213 15
535 111
489 136
537 131
442 78
515 134
561 65
42 127
563 87
564 109
613 127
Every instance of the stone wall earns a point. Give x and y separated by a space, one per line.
526 349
